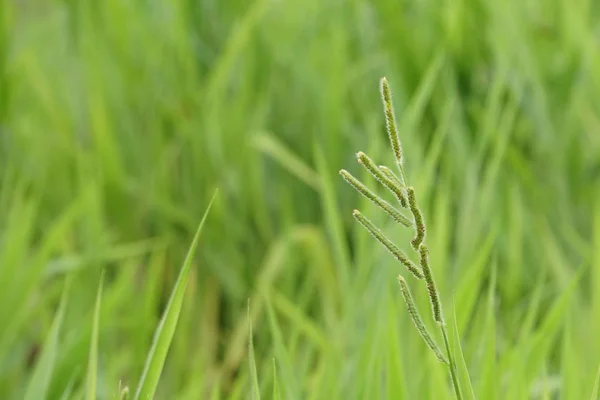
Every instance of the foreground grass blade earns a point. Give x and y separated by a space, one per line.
92 372
255 391
37 389
166 328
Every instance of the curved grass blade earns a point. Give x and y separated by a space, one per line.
166 328
37 389
92 372
255 390
287 159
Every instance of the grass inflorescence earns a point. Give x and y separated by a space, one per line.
398 187
117 123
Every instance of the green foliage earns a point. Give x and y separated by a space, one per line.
92 371
166 327
254 388
41 376
398 186
119 118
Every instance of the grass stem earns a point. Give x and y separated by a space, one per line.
451 364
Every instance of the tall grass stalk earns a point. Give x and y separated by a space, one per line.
407 199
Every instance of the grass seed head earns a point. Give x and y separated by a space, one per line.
419 223
387 243
431 287
390 119
417 321
397 182
384 205
381 177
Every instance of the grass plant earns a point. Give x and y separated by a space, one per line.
119 118
407 199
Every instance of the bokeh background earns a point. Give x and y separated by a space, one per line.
120 118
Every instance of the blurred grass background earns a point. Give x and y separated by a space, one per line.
119 118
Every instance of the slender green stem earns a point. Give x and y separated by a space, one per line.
402 174
451 364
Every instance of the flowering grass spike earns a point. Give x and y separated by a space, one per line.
406 197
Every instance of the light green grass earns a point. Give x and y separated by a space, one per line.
91 384
118 119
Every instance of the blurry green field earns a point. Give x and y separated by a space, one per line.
120 118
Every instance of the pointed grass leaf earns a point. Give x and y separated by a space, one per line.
92 372
166 327
37 388
291 386
255 389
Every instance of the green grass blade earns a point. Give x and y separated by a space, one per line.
596 389
541 343
300 321
291 384
276 395
463 371
333 219
166 328
488 381
397 381
288 160
69 393
92 372
468 288
255 389
37 388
